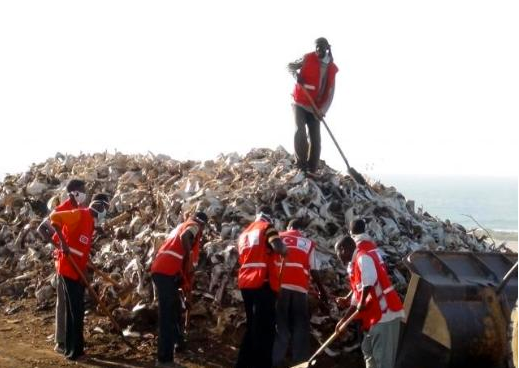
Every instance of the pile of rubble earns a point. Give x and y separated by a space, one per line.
151 194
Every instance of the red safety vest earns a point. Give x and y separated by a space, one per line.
382 297
254 256
79 242
65 206
296 270
168 260
310 72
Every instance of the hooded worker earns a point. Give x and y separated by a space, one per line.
75 229
76 198
373 296
172 269
315 73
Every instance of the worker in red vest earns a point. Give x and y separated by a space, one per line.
379 306
315 72
256 245
75 229
292 281
76 198
172 269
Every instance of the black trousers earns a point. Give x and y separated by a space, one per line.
307 148
256 346
292 323
170 330
75 314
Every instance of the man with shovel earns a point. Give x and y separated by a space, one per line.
292 285
170 270
76 197
378 305
75 229
315 74
255 246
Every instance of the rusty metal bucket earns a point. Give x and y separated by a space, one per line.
454 315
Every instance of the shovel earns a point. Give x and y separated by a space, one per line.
98 300
353 173
313 359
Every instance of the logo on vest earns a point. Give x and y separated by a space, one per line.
83 239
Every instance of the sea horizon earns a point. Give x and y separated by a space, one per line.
473 201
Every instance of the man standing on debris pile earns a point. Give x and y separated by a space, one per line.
75 229
379 306
256 245
76 198
292 315
317 76
172 269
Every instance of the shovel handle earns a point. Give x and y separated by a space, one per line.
316 113
333 336
98 300
102 274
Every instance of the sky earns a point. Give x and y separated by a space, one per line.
424 87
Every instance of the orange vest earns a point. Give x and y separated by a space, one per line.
168 260
253 256
382 296
296 270
65 206
310 72
79 242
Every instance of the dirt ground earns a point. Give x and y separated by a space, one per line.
26 341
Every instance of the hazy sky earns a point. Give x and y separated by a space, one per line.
423 86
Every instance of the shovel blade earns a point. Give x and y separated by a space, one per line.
302 365
307 364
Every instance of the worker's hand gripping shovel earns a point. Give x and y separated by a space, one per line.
313 359
94 295
353 173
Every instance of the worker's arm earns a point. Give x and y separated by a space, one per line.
316 279
368 274
46 230
363 297
274 241
294 67
323 295
188 240
69 218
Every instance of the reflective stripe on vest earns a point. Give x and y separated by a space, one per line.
295 274
386 297
171 253
169 258
256 264
76 252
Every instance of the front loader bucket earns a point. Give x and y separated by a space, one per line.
454 317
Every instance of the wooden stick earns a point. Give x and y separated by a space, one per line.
98 300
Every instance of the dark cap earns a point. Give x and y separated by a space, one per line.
201 217
321 41
357 227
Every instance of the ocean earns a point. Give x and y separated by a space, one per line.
491 201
